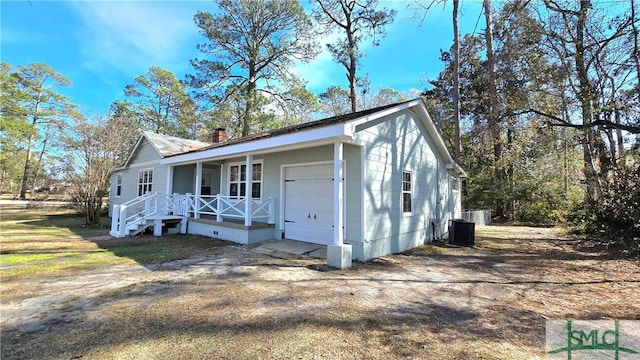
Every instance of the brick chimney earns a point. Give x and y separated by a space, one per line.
219 135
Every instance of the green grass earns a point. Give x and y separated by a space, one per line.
52 241
23 258
60 266
19 223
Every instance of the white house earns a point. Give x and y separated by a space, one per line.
365 184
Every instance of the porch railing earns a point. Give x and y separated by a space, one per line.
222 206
143 208
151 206
132 212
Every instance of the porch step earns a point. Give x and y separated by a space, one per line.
140 224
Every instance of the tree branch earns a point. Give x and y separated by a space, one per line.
556 121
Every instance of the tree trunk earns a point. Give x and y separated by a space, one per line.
509 171
456 81
93 208
36 172
27 169
494 121
2 177
585 96
353 62
250 101
620 142
636 47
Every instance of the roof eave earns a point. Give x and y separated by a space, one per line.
304 138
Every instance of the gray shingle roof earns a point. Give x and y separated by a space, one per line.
171 145
298 127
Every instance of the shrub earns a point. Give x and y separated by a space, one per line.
614 220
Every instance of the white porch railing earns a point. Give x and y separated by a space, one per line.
135 213
222 206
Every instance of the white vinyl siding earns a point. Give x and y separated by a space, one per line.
402 163
145 153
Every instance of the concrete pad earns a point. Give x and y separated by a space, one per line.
290 246
262 250
320 253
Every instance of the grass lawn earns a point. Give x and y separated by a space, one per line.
66 292
52 241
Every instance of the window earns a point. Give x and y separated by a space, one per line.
455 183
407 186
238 177
145 181
119 185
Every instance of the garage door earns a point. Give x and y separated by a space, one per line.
308 210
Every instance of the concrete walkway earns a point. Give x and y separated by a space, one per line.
292 247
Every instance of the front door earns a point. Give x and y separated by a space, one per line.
210 183
308 199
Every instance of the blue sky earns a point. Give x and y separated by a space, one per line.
101 46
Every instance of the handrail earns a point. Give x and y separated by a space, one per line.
185 204
120 222
139 199
228 206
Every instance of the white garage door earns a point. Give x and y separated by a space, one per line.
308 209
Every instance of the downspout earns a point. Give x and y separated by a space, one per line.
450 204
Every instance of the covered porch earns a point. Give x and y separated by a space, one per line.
164 213
286 192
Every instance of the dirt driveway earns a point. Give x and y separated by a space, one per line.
234 303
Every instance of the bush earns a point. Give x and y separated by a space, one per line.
614 220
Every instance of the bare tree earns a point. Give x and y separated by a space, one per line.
456 80
587 55
494 114
93 149
357 21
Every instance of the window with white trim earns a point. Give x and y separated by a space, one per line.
145 181
455 183
407 190
118 184
237 180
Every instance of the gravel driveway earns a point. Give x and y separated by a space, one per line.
433 302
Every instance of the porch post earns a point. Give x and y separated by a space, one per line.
198 190
115 219
338 194
169 189
247 192
339 253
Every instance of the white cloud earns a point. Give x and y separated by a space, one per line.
129 37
